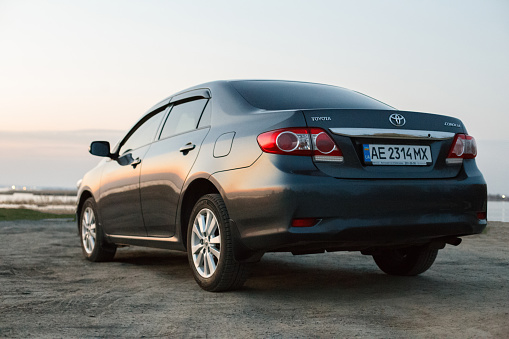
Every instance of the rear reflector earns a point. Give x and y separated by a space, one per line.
463 147
305 222
481 215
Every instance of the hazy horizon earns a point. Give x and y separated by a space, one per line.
61 158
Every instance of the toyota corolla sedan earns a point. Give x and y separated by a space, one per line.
230 170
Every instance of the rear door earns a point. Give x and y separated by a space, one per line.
388 143
168 162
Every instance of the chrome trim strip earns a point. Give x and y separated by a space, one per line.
392 133
172 239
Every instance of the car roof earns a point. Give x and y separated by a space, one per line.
229 88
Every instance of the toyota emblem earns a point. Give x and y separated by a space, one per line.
397 120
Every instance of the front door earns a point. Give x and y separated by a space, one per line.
119 203
119 198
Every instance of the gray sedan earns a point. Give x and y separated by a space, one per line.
230 170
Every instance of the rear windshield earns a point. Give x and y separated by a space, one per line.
282 95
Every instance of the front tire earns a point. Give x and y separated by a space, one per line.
93 244
406 261
210 247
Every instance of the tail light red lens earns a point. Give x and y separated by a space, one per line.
313 142
287 141
463 147
481 215
305 222
324 143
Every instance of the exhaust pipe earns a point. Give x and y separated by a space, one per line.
453 241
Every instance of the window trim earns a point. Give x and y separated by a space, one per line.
167 116
138 124
192 95
166 104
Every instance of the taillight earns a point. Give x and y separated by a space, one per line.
463 147
324 148
293 141
313 142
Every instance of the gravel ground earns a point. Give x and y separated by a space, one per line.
49 290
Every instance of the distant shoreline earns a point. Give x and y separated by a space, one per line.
497 197
72 192
51 191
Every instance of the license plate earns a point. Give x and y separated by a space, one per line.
403 155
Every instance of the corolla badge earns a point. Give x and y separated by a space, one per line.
397 120
452 124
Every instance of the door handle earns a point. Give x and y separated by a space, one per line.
136 162
188 147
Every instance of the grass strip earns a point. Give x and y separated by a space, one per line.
10 214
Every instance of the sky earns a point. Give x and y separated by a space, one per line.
72 70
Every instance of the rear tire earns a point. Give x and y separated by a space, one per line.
93 243
407 261
210 247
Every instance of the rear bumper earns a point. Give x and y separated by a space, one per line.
355 214
335 234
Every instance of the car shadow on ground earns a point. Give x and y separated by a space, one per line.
360 276
351 274
150 257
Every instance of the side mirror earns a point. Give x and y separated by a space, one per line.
100 148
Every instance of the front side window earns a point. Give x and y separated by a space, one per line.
183 117
144 134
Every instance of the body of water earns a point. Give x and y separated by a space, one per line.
44 203
498 211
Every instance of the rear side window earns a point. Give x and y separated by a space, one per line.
183 117
281 95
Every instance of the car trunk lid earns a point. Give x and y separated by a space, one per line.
424 139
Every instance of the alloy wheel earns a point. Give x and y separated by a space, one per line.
206 243
88 230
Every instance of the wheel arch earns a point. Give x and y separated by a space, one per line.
194 191
83 197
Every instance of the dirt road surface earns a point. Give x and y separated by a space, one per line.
48 290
